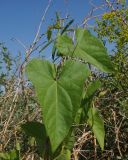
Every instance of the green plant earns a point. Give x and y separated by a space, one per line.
62 93
11 155
113 28
5 66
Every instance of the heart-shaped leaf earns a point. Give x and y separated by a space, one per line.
59 95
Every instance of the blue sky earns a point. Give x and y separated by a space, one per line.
20 18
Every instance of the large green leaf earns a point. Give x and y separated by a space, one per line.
59 95
97 124
88 47
92 50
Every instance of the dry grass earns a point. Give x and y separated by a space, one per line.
17 107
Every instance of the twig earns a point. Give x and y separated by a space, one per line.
110 4
12 110
20 42
42 20
36 39
94 8
95 150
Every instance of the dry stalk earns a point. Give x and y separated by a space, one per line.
117 130
79 143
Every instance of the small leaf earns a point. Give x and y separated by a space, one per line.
67 26
91 89
57 16
18 146
13 155
88 96
5 156
53 51
49 34
97 124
